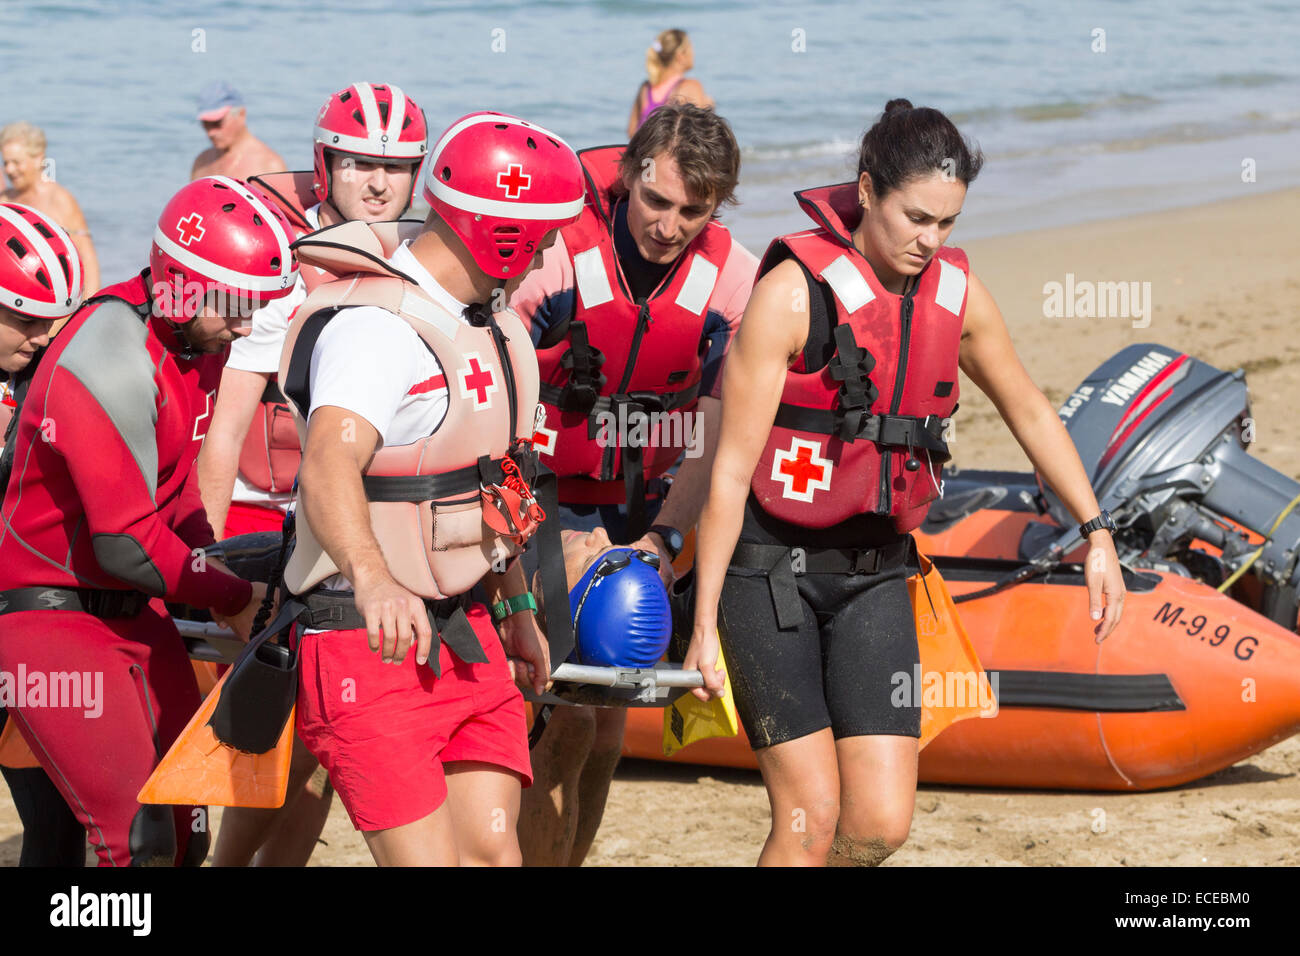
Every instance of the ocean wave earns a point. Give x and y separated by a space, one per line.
833 147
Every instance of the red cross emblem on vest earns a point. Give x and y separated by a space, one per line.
477 382
514 180
190 228
543 437
801 470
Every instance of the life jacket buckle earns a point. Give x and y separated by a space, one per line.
578 397
866 562
648 401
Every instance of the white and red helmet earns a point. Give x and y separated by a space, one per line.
40 273
502 184
228 237
376 120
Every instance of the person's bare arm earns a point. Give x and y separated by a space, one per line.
272 161
634 118
200 163
520 634
771 334
238 398
74 221
340 444
692 91
989 359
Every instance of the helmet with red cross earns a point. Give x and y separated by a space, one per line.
220 235
501 184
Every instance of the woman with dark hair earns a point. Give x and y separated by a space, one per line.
667 62
837 395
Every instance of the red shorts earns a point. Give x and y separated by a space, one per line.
243 518
385 731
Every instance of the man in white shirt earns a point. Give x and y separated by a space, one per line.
428 755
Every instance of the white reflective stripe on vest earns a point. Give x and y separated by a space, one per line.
952 288
426 311
593 281
698 287
847 284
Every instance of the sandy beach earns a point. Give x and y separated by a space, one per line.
1223 282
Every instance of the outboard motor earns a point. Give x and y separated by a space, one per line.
1164 438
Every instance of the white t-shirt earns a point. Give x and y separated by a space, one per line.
259 351
371 362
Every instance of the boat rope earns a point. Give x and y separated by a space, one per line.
1263 544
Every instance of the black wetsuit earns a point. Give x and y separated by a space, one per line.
835 667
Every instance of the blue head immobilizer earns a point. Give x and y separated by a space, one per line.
620 611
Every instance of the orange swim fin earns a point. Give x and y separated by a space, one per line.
200 769
14 752
952 683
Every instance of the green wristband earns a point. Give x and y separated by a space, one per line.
520 602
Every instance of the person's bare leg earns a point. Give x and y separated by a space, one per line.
244 830
803 789
597 773
877 796
548 820
297 834
484 803
429 841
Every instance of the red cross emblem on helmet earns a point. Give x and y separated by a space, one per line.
801 470
477 380
190 229
514 180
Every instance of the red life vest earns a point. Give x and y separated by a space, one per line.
865 434
270 456
616 352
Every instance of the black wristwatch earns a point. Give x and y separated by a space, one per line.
673 539
1103 520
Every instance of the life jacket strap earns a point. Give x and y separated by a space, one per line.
904 431
780 565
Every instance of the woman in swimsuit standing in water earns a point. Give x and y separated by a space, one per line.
666 63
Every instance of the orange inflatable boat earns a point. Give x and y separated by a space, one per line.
1204 668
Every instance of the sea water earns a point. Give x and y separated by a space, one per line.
1082 110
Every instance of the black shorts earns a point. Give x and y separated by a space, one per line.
838 668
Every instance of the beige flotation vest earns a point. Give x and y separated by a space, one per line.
448 507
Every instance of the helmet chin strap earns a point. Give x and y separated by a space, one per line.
186 349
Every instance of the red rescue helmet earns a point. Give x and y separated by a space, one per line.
40 273
375 120
226 236
502 184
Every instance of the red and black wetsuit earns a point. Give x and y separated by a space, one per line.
52 835
103 496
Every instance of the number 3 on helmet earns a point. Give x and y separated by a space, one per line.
502 184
